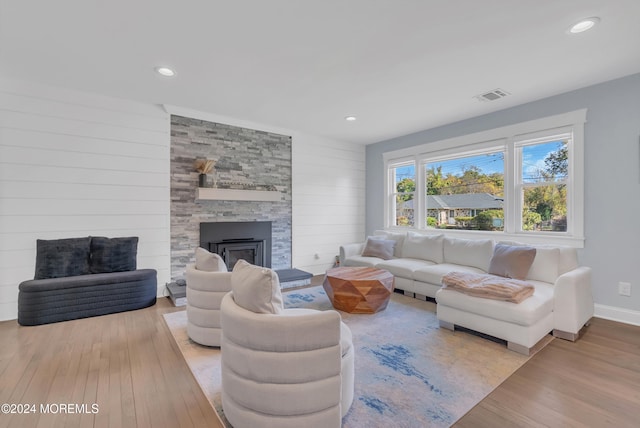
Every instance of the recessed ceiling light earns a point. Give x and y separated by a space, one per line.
165 71
584 25
350 118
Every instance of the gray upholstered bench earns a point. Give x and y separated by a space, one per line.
85 277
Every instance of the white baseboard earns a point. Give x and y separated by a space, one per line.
613 313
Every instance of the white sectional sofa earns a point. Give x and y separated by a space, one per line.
562 302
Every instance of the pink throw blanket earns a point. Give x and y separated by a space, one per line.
488 286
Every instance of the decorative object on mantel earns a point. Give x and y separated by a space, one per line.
204 167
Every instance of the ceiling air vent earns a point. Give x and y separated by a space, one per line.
496 94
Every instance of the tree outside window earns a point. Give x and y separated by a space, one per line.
404 177
545 168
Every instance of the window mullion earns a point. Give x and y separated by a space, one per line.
512 190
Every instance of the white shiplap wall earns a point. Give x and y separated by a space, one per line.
328 200
76 164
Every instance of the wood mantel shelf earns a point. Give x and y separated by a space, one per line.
214 194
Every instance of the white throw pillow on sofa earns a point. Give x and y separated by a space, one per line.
256 288
423 247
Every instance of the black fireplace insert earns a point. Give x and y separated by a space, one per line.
250 241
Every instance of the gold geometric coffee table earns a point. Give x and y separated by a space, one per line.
358 290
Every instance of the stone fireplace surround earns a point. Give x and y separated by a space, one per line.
242 156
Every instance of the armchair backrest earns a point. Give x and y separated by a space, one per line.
207 281
294 330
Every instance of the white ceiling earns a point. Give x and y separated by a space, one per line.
400 66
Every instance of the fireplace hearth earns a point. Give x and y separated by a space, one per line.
250 241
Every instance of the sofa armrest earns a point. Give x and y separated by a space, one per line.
573 300
349 250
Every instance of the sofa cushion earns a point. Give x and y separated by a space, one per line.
433 274
395 236
403 267
567 260
362 261
378 247
256 288
113 254
511 261
468 252
58 258
209 262
545 265
525 313
425 247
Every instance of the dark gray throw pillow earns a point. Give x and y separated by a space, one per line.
57 258
113 254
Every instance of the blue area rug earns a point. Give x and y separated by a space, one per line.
409 372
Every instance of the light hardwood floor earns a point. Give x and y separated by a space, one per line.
129 366
593 382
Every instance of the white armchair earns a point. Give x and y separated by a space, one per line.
291 368
205 290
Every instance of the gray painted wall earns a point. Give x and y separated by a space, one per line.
612 177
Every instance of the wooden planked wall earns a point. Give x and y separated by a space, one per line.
328 200
76 164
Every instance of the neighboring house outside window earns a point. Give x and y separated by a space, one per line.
524 179
454 209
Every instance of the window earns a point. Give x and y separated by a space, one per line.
469 187
524 179
544 173
403 179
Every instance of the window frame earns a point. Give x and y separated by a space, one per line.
520 185
511 139
391 192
